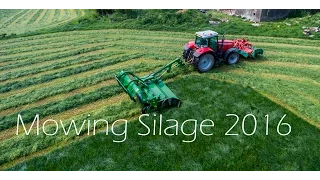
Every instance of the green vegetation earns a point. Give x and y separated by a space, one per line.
66 72
188 21
65 75
298 151
171 20
14 22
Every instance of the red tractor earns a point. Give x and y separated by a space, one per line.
208 50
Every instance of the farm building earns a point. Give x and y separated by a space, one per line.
258 15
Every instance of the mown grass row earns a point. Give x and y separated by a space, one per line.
36 43
118 32
23 17
262 77
172 35
64 73
13 101
8 16
297 151
279 49
50 17
56 15
39 66
61 80
291 57
28 20
15 59
283 89
56 97
64 15
23 56
36 94
287 48
309 48
61 106
86 87
40 93
301 42
55 56
35 16
43 45
41 16
21 146
45 16
57 65
30 53
285 82
49 51
299 72
52 38
166 39
14 18
32 39
112 112
57 43
73 101
7 13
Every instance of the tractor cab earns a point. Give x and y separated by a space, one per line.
207 39
211 39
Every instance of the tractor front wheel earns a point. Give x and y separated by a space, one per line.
233 58
204 63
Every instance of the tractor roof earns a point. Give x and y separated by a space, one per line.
206 34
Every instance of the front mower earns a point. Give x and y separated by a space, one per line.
149 90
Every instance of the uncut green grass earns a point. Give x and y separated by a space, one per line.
297 151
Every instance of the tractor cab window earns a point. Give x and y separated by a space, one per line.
204 42
198 41
201 41
213 43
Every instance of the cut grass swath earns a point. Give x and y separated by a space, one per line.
216 152
294 86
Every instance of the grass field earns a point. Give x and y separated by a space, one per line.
69 75
22 21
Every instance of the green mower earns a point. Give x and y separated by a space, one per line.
149 90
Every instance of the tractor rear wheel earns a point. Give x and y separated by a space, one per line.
204 63
233 58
